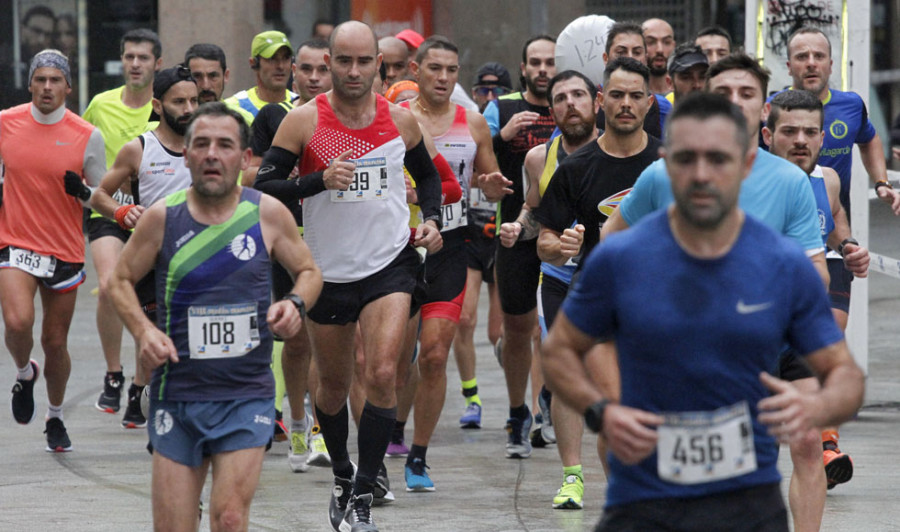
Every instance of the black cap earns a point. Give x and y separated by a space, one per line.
493 69
685 57
165 78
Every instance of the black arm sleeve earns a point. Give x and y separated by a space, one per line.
272 179
428 181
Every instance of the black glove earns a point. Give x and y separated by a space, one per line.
76 187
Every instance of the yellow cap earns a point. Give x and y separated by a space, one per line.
268 42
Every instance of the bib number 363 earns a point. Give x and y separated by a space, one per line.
28 261
222 331
698 447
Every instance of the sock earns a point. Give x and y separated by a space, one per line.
829 439
334 432
135 391
470 391
416 451
573 470
397 434
54 411
519 412
298 425
116 374
375 427
26 373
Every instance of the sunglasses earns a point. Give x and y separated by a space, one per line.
184 73
496 91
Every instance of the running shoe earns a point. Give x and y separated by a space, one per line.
359 514
417 478
517 444
397 448
134 418
838 467
340 497
570 495
111 397
57 438
548 433
318 453
22 401
281 432
382 490
299 453
471 418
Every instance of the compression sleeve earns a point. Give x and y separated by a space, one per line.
492 115
450 189
428 182
272 179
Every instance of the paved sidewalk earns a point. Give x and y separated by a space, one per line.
104 484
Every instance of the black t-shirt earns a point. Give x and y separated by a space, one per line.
651 122
262 133
588 187
511 154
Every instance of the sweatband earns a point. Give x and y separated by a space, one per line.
53 59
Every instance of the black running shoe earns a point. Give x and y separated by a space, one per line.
359 514
22 401
382 490
337 508
134 418
57 438
111 398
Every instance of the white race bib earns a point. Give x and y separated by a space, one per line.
477 201
222 331
453 215
370 182
30 262
700 447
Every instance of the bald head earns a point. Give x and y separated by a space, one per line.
352 30
659 37
396 59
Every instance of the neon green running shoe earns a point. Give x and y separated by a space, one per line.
570 494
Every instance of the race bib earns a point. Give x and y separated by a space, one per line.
370 182
453 215
478 202
30 262
222 331
700 447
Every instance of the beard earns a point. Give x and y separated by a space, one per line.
178 125
704 217
531 85
578 133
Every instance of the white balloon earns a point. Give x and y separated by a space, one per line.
581 44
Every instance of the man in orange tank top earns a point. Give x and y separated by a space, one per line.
48 153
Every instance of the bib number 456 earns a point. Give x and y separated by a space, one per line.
698 449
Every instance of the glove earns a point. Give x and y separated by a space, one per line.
76 187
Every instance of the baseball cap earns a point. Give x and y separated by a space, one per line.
493 69
267 43
164 79
412 38
684 58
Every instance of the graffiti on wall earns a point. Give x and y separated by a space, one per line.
784 17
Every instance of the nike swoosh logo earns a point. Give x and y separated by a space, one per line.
382 132
266 169
58 143
744 308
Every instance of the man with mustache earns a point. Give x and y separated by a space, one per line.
585 189
270 58
519 122
121 114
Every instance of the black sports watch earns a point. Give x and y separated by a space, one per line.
844 242
298 303
593 416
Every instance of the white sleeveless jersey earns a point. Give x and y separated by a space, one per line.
355 233
458 148
161 173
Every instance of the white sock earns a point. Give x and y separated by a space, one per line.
26 373
54 411
298 425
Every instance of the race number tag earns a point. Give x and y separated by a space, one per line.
699 447
454 215
478 202
370 182
30 262
222 331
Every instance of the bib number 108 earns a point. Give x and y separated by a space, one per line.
218 332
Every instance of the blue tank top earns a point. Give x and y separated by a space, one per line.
555 155
213 290
826 220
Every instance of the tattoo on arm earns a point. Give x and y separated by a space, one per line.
530 226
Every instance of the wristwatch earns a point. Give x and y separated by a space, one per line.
883 183
593 416
298 303
844 242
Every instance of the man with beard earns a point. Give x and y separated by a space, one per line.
154 166
585 189
715 42
700 299
519 122
660 39
270 59
688 70
212 244
121 114
396 59
354 145
209 69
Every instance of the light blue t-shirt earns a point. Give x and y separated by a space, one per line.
777 192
